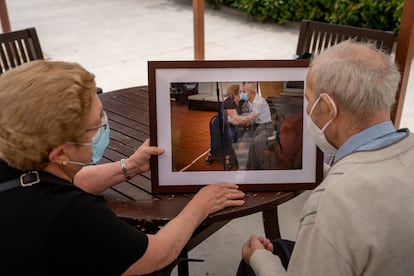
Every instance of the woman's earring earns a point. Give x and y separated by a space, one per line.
64 163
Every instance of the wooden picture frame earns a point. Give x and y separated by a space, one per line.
187 132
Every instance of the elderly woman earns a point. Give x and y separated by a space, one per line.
51 125
233 106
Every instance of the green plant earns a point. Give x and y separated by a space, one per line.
383 15
374 14
281 11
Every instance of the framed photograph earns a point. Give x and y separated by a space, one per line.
231 121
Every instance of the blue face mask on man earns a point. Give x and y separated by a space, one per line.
99 142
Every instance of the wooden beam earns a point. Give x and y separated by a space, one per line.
4 17
403 57
198 10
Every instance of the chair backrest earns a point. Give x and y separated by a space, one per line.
315 36
18 47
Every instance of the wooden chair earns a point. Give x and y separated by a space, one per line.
315 36
19 47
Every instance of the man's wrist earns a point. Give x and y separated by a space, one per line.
264 262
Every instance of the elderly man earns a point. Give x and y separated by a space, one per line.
261 125
360 219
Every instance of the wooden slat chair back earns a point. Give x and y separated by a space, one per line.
315 36
19 47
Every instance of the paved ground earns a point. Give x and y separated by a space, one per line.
115 38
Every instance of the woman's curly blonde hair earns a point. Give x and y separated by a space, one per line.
43 104
233 90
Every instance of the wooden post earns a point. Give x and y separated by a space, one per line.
198 9
4 17
403 57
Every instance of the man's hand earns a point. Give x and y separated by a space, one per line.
253 244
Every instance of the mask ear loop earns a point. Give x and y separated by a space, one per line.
314 105
334 107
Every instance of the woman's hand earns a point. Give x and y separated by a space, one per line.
138 162
215 197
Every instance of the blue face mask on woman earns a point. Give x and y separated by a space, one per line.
99 142
243 96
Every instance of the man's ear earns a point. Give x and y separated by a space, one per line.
330 103
57 155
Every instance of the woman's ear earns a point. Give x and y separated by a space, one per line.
58 156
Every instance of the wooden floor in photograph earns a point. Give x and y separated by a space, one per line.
190 133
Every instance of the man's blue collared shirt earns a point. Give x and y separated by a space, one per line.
373 138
